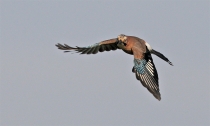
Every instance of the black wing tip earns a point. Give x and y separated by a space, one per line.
65 47
58 45
155 93
157 96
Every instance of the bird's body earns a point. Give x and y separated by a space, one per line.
134 43
144 67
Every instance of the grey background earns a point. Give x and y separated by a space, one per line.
41 85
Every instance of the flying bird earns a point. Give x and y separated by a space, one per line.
144 67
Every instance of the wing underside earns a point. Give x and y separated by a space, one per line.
146 72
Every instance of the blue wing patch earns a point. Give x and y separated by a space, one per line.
139 65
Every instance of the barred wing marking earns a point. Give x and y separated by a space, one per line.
147 74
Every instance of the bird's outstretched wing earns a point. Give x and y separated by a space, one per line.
106 45
147 74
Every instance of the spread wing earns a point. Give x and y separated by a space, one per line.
145 71
106 45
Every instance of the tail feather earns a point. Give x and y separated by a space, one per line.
161 56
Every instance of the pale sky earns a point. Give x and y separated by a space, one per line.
42 86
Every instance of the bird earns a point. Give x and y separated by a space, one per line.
144 67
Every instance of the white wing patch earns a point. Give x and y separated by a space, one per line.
149 47
150 82
150 68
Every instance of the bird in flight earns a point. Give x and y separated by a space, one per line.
144 67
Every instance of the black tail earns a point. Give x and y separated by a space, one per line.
161 56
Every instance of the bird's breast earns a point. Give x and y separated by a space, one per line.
128 51
125 47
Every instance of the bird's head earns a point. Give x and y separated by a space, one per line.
122 38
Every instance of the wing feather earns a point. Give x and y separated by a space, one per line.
96 49
91 50
102 48
108 48
106 45
113 46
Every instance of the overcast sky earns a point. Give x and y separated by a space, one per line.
41 85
